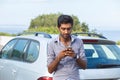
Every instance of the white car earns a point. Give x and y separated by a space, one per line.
103 58
25 58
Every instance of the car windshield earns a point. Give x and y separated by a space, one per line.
102 55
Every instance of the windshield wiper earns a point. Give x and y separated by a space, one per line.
108 65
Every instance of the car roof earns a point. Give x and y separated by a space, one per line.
38 34
90 38
40 39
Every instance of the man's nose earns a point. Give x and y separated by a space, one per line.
66 31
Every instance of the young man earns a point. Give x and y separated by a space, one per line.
66 52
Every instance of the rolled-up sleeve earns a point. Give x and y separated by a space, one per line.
50 53
82 51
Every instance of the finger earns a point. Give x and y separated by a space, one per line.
70 52
65 54
69 48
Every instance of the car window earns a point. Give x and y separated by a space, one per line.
33 51
21 49
109 52
101 54
90 51
6 51
115 49
18 50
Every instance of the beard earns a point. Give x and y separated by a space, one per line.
65 36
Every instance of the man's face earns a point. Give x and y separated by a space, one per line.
65 30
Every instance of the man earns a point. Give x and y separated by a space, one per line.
66 52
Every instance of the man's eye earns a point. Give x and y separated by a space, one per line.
63 28
66 28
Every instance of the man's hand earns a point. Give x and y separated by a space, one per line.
62 54
70 52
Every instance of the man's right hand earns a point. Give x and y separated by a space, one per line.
62 54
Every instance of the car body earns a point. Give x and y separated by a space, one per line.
25 58
103 58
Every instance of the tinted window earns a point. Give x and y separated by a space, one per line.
6 51
100 56
33 51
19 49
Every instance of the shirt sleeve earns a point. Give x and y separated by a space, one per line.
82 51
50 53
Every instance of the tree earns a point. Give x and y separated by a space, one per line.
48 22
118 42
84 27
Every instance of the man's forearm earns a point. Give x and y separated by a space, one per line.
53 65
81 63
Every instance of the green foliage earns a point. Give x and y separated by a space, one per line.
84 27
118 42
44 20
50 30
6 34
48 23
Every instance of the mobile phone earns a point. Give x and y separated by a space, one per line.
69 48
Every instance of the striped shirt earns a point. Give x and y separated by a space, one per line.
67 68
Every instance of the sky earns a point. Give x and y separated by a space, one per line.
97 14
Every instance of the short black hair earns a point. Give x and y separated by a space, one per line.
64 19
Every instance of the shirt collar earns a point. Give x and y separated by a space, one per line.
58 41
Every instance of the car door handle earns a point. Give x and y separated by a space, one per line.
1 67
13 71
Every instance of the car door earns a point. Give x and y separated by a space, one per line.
2 63
9 71
28 67
5 67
